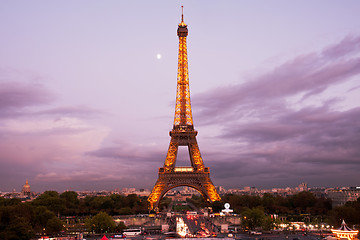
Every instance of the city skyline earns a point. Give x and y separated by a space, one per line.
87 92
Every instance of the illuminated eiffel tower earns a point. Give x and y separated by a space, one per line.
183 134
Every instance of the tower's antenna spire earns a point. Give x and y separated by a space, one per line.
182 13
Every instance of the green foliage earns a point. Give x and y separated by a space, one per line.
41 216
15 220
101 223
17 228
181 206
268 223
301 203
198 201
164 203
9 202
114 205
125 211
53 226
350 212
50 200
217 206
120 227
71 201
268 201
307 203
253 218
22 220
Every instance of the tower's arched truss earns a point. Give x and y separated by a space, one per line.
183 134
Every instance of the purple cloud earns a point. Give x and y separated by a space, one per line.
78 110
271 139
308 74
129 154
348 46
16 97
33 140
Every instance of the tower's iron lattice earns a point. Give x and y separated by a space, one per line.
183 134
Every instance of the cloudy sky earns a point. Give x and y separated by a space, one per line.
87 91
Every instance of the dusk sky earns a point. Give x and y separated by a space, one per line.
87 92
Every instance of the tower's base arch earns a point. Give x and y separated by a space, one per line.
168 180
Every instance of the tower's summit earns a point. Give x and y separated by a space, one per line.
182 29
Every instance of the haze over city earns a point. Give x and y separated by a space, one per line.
87 92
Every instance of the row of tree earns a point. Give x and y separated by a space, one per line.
68 204
301 203
22 220
103 222
41 216
303 206
350 212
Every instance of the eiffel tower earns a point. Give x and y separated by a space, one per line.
183 134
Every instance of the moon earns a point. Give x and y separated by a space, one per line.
158 56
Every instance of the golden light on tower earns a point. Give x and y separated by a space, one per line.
197 175
183 115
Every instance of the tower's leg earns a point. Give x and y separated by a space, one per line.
156 193
211 191
195 156
170 160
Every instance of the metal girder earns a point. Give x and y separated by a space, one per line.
183 134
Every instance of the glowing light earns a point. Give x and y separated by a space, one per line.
181 227
183 134
158 56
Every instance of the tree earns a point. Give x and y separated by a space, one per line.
50 200
164 203
53 226
125 211
346 212
19 228
241 202
216 206
268 202
252 218
100 223
9 202
120 227
303 201
71 202
15 220
22 220
41 217
46 219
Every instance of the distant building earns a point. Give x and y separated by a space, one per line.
127 191
303 187
340 196
221 189
318 191
26 189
